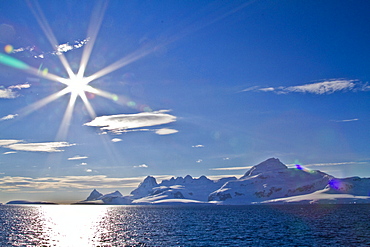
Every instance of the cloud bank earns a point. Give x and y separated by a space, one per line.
78 182
48 147
134 122
324 87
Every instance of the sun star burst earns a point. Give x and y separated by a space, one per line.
77 84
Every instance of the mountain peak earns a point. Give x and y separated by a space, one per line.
268 165
145 187
94 195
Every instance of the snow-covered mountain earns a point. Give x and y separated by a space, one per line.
114 198
187 189
268 182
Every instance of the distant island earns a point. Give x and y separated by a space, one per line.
27 202
270 182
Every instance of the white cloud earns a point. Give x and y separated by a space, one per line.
8 142
11 152
20 86
19 145
116 140
231 168
323 87
88 170
346 120
8 93
267 89
198 146
8 117
62 48
83 164
123 122
21 49
78 157
59 49
166 131
141 166
199 161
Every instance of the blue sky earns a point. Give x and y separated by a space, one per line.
171 88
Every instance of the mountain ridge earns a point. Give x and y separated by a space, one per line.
267 182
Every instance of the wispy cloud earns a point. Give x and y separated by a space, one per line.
8 142
9 93
198 146
116 140
166 131
10 152
8 117
337 164
346 120
231 168
59 49
133 122
20 145
142 166
20 86
78 157
323 87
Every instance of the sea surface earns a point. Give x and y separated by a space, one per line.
256 225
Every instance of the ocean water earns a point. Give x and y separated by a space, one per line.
98 225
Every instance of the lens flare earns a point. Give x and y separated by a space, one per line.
13 62
300 167
335 184
8 49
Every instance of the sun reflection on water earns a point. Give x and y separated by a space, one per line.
72 225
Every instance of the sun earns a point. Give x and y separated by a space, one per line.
76 85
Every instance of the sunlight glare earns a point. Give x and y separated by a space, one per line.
72 225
